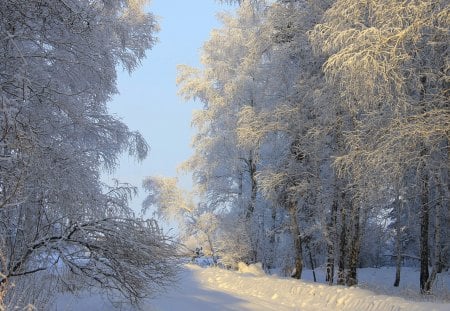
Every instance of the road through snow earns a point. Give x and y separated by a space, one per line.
206 289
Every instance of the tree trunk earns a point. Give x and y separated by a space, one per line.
311 261
331 229
251 206
398 246
254 188
296 236
271 260
424 228
241 192
437 244
351 278
342 247
213 253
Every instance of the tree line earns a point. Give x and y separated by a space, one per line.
323 137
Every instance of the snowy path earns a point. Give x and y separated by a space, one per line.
201 290
216 289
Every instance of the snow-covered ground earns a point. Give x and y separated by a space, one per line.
381 280
217 289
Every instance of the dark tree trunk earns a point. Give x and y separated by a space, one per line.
296 236
425 208
351 278
241 193
329 277
331 229
398 246
254 187
311 262
437 242
271 261
424 229
342 247
251 205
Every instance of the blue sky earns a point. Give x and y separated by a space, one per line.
148 100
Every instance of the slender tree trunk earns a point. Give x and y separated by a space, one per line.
311 261
342 247
424 228
437 243
251 206
331 229
254 187
425 207
398 246
213 253
240 191
297 240
271 261
445 213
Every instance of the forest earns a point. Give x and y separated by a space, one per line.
323 141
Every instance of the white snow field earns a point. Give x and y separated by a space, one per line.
218 289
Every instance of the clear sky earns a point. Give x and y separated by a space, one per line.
148 100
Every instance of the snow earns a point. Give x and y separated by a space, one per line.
381 280
203 261
218 289
255 269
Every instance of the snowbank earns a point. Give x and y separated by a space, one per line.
253 269
292 294
381 280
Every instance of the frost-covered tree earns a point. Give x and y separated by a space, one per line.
294 96
344 106
390 63
58 70
225 172
168 199
171 203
